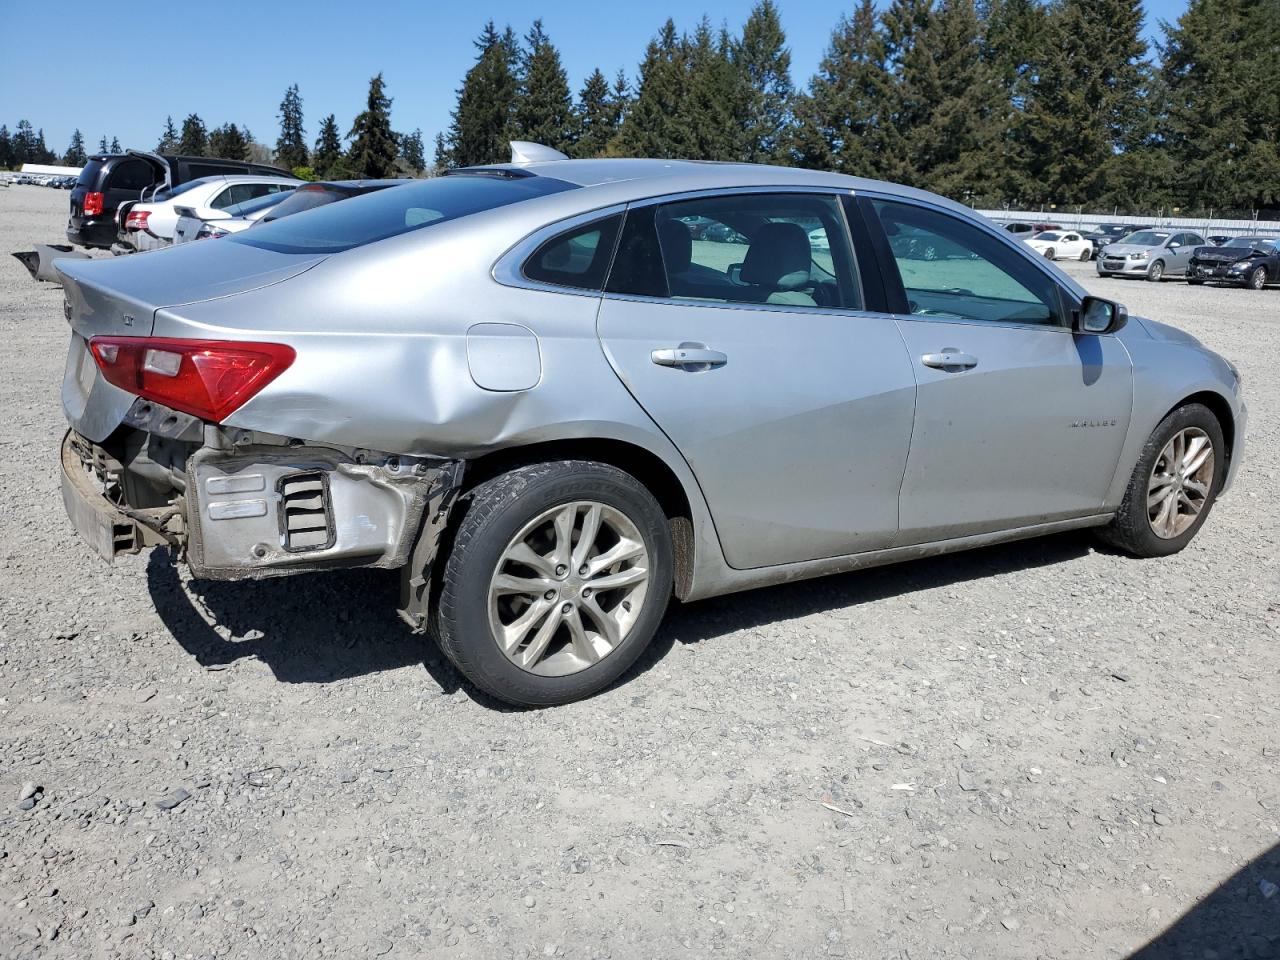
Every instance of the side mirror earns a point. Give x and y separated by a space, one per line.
1174 246
1100 316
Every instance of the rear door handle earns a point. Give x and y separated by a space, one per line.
695 356
950 360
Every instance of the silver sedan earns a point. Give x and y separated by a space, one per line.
553 394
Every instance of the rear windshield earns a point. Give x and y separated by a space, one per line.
305 198
388 213
168 193
246 207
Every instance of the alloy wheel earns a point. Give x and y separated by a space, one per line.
1156 271
1180 481
568 588
1258 279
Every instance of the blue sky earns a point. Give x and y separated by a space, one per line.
108 73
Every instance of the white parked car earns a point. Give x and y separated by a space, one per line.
1061 245
152 225
193 225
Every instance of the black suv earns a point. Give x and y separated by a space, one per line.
108 180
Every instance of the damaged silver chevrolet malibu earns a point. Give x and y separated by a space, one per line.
554 393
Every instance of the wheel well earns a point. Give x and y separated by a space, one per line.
646 467
1219 407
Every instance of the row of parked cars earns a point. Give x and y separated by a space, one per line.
41 180
136 202
1154 253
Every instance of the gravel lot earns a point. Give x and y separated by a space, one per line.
1039 750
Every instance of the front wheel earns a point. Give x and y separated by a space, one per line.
1155 272
1173 485
557 580
1257 279
1050 254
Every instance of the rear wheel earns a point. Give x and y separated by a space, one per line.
1155 272
1173 485
1086 255
557 580
1257 278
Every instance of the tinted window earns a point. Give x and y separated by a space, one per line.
135 175
1147 238
577 258
782 249
388 213
950 268
89 174
258 203
168 193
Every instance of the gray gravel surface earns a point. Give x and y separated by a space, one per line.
1039 750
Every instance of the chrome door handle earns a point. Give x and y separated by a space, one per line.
950 359
689 355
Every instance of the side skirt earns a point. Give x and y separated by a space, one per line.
733 581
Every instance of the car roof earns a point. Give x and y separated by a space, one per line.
648 177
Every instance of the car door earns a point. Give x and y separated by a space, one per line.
1019 421
754 350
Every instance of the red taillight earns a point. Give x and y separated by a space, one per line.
137 220
92 204
205 378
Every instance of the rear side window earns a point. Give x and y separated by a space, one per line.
89 175
576 258
398 210
134 175
780 249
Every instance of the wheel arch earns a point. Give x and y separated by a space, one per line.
1220 407
643 464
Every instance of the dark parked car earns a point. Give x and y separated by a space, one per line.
1025 231
1111 233
109 180
1251 262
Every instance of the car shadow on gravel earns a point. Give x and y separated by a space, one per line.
325 627
1240 918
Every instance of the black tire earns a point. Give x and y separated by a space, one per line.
1257 278
1193 282
496 510
1049 254
1086 256
1131 530
1155 272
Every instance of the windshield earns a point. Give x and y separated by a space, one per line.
1146 238
1048 235
1247 242
246 207
388 213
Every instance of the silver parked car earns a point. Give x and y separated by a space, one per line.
1154 254
534 393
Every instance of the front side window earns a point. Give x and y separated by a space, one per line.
576 258
952 269
779 249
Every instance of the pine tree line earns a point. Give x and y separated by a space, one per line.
1019 102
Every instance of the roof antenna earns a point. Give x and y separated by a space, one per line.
524 151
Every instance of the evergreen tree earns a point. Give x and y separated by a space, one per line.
1087 96
103 146
327 158
6 148
24 144
373 143
115 146
75 155
440 161
228 142
763 56
1220 74
651 128
596 117
291 147
41 152
1013 47
949 102
194 141
712 115
844 121
544 107
482 120
169 139
413 152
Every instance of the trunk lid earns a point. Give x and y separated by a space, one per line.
120 297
